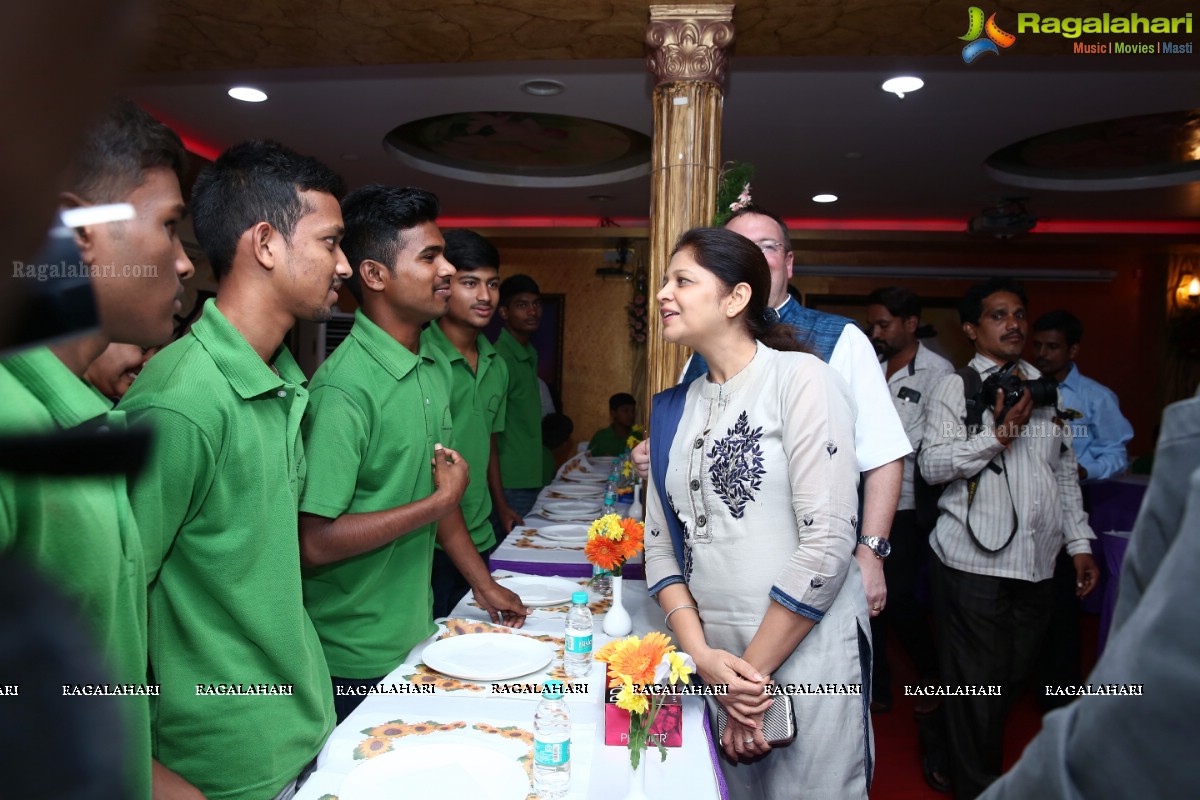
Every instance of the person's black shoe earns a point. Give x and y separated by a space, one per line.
934 757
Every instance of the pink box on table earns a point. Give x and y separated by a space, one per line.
667 727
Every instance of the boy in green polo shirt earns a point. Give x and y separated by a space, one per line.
520 443
613 440
245 703
80 532
373 504
478 383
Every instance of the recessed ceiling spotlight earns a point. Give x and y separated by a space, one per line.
247 94
824 198
902 85
542 87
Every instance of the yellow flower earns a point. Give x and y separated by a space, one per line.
630 700
608 527
680 671
632 442
627 470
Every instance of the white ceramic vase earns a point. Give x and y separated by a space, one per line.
617 621
637 778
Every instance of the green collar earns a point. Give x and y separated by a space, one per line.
247 373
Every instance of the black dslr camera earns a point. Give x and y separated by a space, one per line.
1044 390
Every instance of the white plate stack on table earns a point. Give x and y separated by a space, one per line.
572 510
577 491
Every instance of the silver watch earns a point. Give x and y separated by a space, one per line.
881 547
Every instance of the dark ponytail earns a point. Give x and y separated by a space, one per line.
734 259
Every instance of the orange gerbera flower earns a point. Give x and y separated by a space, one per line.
635 534
604 552
637 659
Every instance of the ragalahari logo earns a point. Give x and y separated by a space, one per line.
996 38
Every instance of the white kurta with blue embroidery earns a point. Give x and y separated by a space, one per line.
763 476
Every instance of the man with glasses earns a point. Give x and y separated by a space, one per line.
879 439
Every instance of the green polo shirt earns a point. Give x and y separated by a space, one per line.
80 533
217 510
477 404
377 411
606 442
520 444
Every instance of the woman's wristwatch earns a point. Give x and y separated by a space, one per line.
881 547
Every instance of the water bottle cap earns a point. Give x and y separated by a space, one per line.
579 597
552 690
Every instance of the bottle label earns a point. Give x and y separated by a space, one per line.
551 754
579 644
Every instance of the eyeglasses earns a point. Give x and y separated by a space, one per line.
771 246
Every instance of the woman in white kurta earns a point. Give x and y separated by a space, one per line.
762 476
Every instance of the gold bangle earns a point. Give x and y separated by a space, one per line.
667 618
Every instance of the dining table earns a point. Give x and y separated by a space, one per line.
577 482
426 732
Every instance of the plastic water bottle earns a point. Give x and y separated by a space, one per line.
551 744
610 489
577 651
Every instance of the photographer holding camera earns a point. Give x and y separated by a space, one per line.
1012 499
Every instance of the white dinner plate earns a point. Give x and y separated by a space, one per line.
573 507
586 477
600 463
577 490
450 767
537 590
576 534
487 656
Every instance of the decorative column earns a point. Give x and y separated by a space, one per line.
687 55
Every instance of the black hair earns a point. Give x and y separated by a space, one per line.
514 285
252 182
621 399
899 302
971 306
117 151
756 209
734 259
467 250
1061 320
376 217
556 429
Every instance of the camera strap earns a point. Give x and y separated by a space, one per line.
972 487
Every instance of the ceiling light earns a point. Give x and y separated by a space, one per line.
600 198
247 94
902 85
542 87
824 198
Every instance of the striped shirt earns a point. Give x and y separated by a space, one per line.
1037 481
910 387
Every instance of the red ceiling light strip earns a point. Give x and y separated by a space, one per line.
929 225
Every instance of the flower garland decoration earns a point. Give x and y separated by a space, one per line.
637 311
613 540
733 190
633 663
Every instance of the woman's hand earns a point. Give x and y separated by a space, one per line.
746 697
743 743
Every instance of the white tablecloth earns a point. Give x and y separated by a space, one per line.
503 722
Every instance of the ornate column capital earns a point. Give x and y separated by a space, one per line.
688 43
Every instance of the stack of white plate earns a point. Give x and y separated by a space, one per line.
572 510
564 534
581 491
